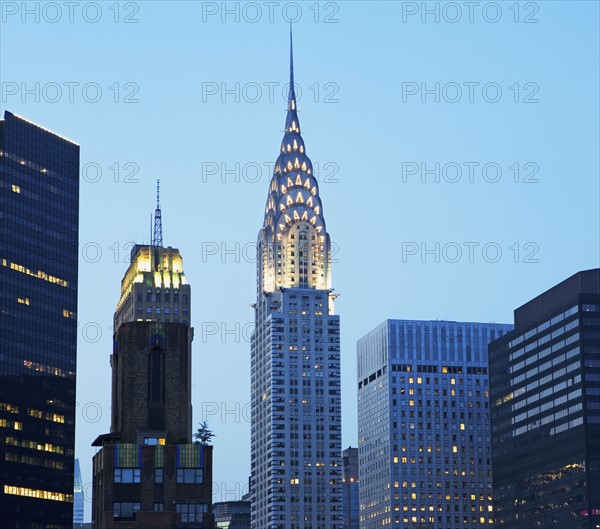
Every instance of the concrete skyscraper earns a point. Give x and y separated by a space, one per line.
148 473
423 425
296 468
545 410
39 225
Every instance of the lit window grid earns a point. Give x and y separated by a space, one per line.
381 430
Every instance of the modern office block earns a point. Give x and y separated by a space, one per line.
295 353
350 488
423 425
148 474
545 395
232 515
39 222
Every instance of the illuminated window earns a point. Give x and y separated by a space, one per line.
153 441
11 424
36 493
4 406
16 189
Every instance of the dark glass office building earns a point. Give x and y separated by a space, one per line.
350 501
545 396
39 208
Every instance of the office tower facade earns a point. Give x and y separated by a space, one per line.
423 425
77 496
350 484
39 222
295 353
545 409
148 473
232 515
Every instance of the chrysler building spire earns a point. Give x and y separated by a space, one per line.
291 59
296 247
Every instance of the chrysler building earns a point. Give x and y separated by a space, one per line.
295 360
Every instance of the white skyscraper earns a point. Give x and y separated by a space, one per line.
295 362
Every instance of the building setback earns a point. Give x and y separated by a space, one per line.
350 488
148 474
423 425
296 468
39 223
545 394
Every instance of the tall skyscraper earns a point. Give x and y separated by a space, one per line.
148 472
295 359
423 425
545 395
350 488
39 216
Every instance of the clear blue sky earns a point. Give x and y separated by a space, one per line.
368 125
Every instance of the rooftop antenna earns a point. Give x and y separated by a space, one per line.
157 240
